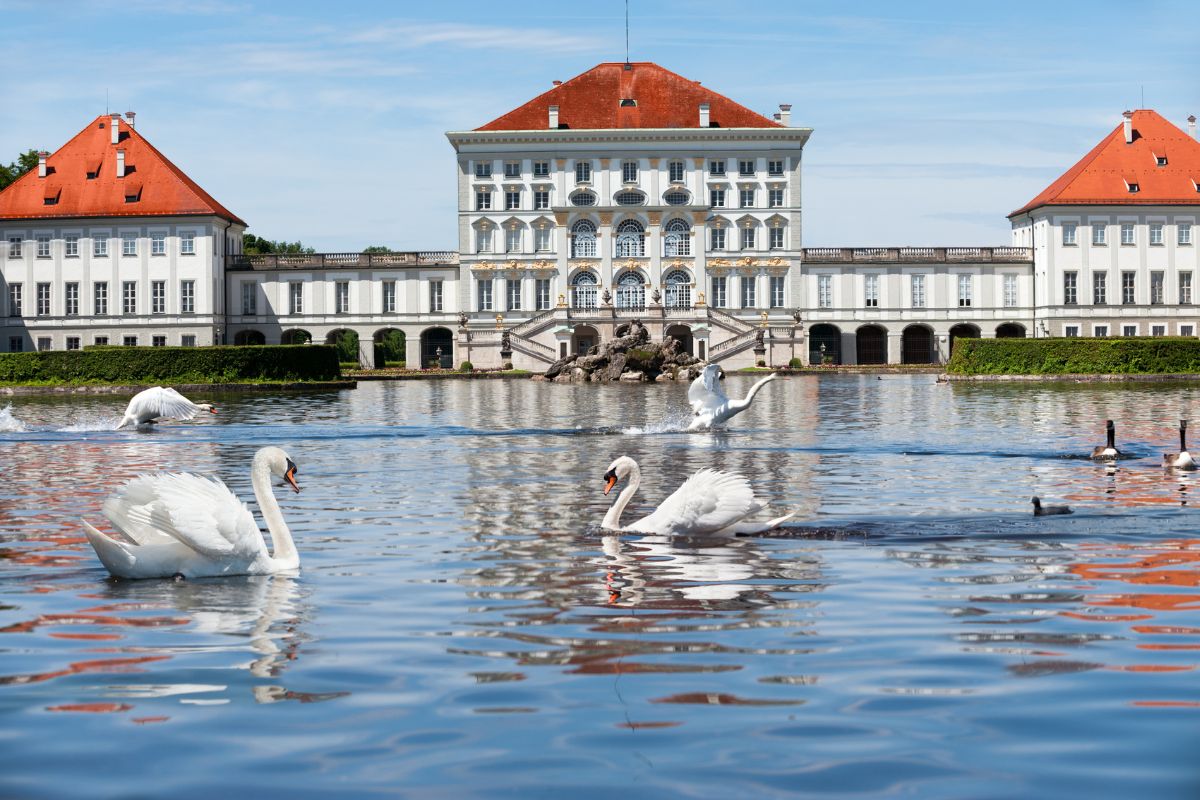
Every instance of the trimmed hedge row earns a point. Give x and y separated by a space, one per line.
1076 356
138 365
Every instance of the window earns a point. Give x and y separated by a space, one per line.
71 307
776 237
1133 187
100 246
100 341
128 297
71 246
1158 330
129 244
1129 330
630 242
1010 290
1156 234
43 299
1127 288
1185 288
249 298
100 298
158 297
675 171
187 297
16 344
341 297
676 197
43 245
583 291
512 290
748 237
716 238
1068 234
1160 161
435 296
1100 331
749 287
918 291
677 238
1156 288
541 238
964 291
629 171
187 243
583 171
541 199
720 286
129 341
747 198
45 343
512 199
483 200
1071 330
776 286
775 198
484 288
871 291
14 299
716 198
541 294
1070 288
583 239
716 168
512 169
1127 233
541 169
1186 330
1099 234
483 240
824 291
158 244
678 285
1184 233
158 341
1100 288
775 167
512 239
746 167
483 169
630 198
583 199
295 297
73 343
14 247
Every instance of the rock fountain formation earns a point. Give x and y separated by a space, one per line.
629 357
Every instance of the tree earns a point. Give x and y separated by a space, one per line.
257 246
378 248
25 162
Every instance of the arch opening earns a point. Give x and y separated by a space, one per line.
824 344
916 345
871 344
437 349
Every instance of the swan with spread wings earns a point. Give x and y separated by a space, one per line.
710 404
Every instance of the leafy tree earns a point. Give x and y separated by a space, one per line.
257 246
25 162
392 347
378 248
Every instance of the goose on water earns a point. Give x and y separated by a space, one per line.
1183 459
1108 451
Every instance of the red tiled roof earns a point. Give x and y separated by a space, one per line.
164 189
592 101
1102 177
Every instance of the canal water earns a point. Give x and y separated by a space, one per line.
461 628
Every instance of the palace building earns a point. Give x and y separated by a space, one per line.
628 192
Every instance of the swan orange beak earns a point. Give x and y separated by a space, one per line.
610 480
212 410
290 477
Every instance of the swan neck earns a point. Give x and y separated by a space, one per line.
612 520
283 549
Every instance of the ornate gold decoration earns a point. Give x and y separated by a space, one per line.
719 262
654 217
653 162
543 264
699 299
562 301
764 319
586 266
483 266
499 321
746 262
606 217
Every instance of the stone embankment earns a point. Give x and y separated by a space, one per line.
629 357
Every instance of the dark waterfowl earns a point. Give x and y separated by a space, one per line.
1183 459
1109 451
1040 510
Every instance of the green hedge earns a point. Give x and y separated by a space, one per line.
139 365
1076 356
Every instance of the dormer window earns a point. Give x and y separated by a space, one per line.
1160 161
133 193
628 102
1133 187
93 170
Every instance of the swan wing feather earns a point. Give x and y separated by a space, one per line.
707 502
158 403
705 393
201 513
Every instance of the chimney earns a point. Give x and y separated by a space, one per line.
1192 126
704 120
115 124
120 163
1128 115
785 114
42 154
129 115
554 117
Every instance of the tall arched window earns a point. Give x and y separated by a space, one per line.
631 291
679 289
677 239
630 239
583 239
583 291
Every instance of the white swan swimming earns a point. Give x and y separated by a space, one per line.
709 402
709 502
159 403
1183 459
185 524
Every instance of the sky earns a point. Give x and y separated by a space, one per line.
325 123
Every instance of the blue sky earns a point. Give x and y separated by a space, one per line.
325 122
